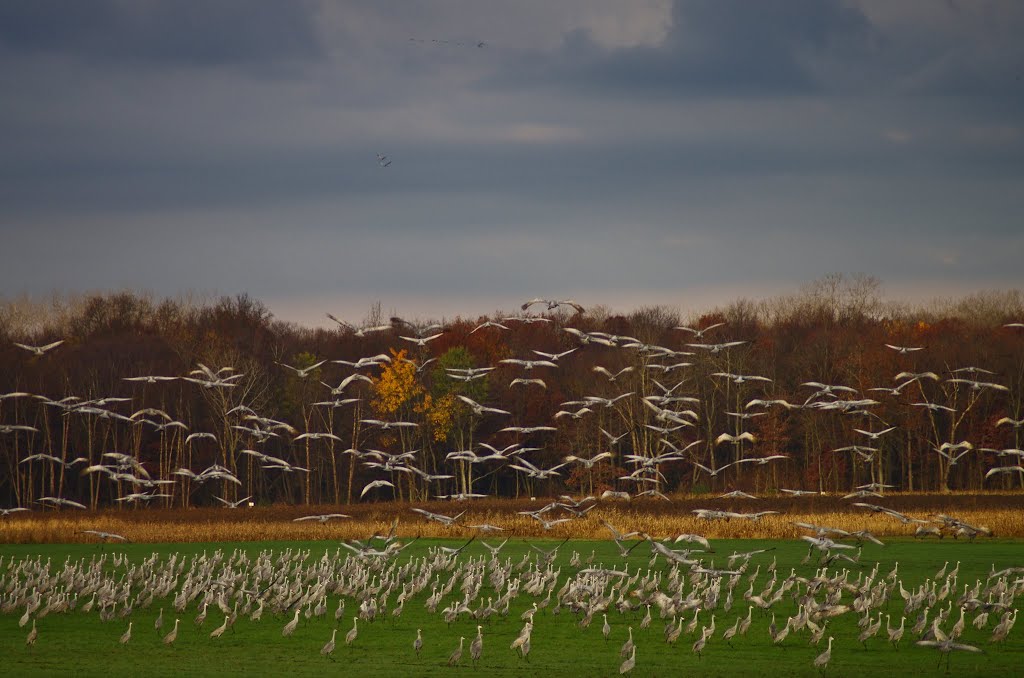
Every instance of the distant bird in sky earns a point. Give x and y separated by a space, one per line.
587 463
383 160
10 428
555 357
527 364
527 382
376 483
489 323
361 331
756 402
904 350
552 304
106 536
60 501
368 361
233 504
608 373
346 382
478 409
322 517
717 348
302 372
971 370
1004 469
149 379
699 334
39 350
735 440
422 341
468 374
740 378
387 425
978 385
875 435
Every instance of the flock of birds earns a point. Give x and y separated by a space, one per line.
374 581
687 591
668 415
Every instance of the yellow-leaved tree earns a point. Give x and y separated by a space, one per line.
399 395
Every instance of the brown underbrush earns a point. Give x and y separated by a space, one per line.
1002 513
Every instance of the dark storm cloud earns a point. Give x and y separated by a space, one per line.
613 151
714 47
194 33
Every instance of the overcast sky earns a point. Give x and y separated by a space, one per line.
621 153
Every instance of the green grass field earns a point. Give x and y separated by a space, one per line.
76 643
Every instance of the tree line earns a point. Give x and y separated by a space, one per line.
811 378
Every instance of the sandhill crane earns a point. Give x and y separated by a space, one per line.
904 350
322 518
201 617
1002 629
717 348
456 656
947 647
779 635
1004 469
32 635
731 632
895 635
612 376
328 649
219 631
527 382
606 628
745 624
822 660
698 645
870 630
302 372
476 648
173 635
553 304
376 483
159 621
958 627
735 440
350 637
628 646
417 645
628 665
127 635
289 628
422 341
698 334
673 633
39 350
646 621
110 536
692 625
522 639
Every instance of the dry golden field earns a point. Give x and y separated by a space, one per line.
1003 513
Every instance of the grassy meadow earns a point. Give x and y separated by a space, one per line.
77 643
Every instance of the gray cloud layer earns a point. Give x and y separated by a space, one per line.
648 153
